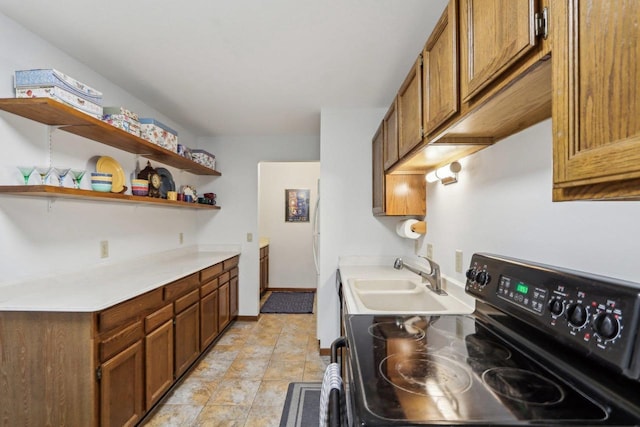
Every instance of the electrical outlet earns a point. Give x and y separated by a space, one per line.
458 261
249 237
181 238
429 250
104 249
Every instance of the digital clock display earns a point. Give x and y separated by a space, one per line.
522 288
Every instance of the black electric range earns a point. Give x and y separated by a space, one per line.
545 346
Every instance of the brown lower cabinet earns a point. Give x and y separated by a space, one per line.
109 368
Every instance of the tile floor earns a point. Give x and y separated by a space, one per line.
243 379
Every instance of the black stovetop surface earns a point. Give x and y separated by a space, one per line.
453 369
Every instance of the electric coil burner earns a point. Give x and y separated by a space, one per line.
545 346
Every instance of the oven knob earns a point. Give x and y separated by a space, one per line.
556 306
483 278
606 325
577 315
471 274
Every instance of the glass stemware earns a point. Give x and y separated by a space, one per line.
62 173
44 172
77 177
26 172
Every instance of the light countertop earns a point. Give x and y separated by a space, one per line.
103 286
381 268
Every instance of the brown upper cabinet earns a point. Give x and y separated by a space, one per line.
409 106
440 71
496 33
389 134
596 105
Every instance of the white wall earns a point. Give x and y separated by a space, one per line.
38 235
502 204
348 226
237 189
291 262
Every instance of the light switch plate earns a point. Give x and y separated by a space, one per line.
458 261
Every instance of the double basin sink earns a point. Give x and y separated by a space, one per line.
401 295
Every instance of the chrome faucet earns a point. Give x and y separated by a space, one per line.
433 278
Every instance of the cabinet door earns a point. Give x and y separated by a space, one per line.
377 172
208 319
233 297
187 338
390 136
440 71
494 35
410 110
223 305
158 362
596 104
122 389
406 195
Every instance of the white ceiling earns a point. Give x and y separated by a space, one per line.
241 67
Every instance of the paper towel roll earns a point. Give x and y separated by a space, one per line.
403 229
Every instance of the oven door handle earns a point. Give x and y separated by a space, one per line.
334 395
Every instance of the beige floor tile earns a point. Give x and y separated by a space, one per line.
223 415
235 392
287 370
248 368
257 351
264 416
193 391
211 368
271 393
174 416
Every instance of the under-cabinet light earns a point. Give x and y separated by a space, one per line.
446 174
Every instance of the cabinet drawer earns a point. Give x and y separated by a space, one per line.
210 272
118 342
224 278
187 300
180 287
230 263
209 287
130 310
234 272
157 318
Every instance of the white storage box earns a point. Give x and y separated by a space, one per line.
159 134
121 111
63 96
204 158
50 83
123 122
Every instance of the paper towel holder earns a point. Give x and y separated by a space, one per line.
419 227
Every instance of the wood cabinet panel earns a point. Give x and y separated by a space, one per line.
210 272
208 319
122 389
187 338
377 172
596 104
130 310
410 110
157 318
233 297
209 287
158 362
183 302
497 34
230 263
440 71
121 340
223 306
390 136
181 287
406 195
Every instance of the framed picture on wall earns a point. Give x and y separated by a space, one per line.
296 205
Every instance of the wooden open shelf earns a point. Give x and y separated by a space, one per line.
54 113
72 193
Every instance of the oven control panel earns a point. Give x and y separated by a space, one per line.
598 316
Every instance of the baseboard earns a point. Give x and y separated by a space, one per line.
248 318
292 289
325 352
